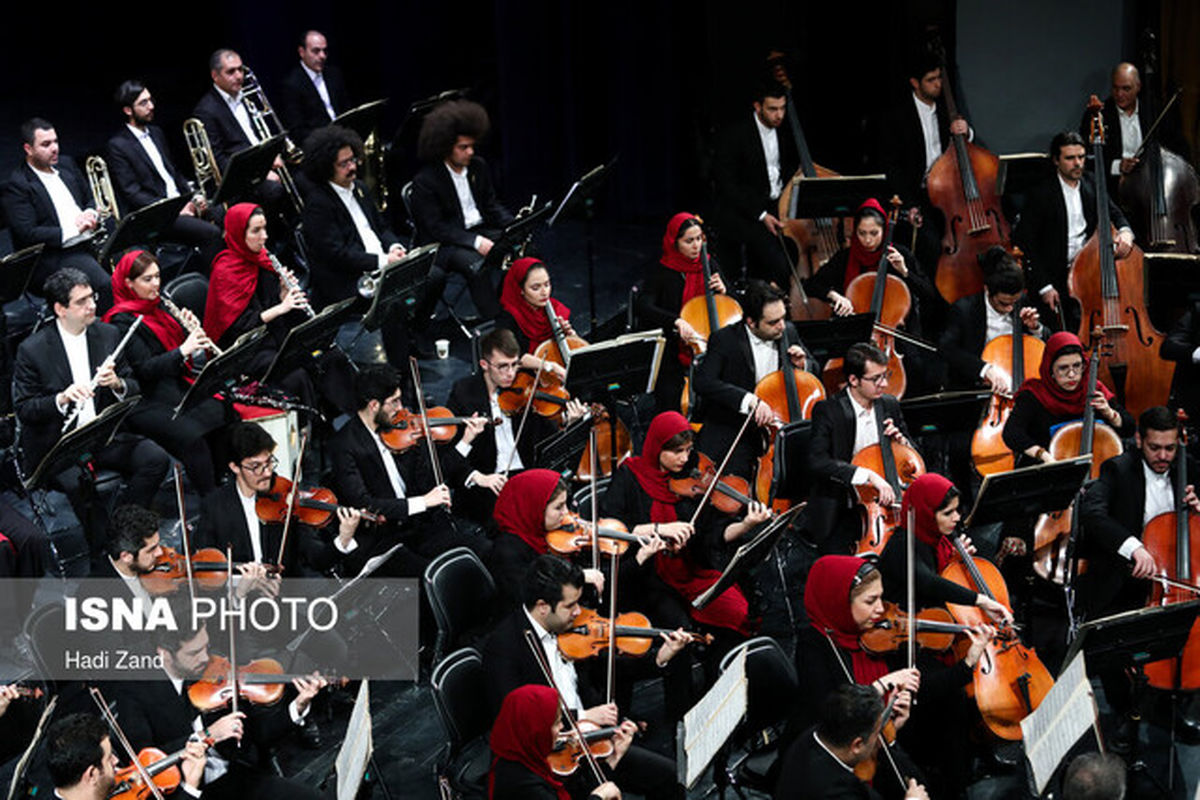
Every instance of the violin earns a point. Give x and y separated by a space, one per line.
564 759
729 496
899 465
935 627
588 635
574 535
208 565
1111 295
883 736
406 428
260 682
613 443
549 398
315 507
162 769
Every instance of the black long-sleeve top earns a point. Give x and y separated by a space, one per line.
833 276
932 589
1030 422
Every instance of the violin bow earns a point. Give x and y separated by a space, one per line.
183 531
724 462
614 560
537 379
119 735
433 459
291 501
539 655
593 463
233 703
910 548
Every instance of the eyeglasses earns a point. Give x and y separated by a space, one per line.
258 468
878 380
86 300
345 162
1069 369
503 366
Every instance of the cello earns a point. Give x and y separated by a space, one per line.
706 313
899 465
791 393
962 185
1111 295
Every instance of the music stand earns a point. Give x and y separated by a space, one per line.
831 338
16 271
750 554
1019 172
400 284
835 197
1136 637
617 369
789 479
1029 491
363 119
225 371
514 237
562 450
310 337
146 225
1172 283
248 168
583 193
947 412
78 446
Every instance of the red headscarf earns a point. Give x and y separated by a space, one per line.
827 602
522 733
861 259
1052 397
924 496
650 476
234 273
532 321
154 316
693 272
521 506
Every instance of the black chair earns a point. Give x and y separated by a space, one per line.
189 291
406 193
582 499
461 593
771 688
461 702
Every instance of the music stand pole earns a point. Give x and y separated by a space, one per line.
589 214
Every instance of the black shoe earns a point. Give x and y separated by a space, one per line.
1120 741
310 734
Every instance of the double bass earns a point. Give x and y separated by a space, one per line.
962 185
1112 294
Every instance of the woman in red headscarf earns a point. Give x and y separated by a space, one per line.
677 278
524 296
160 352
1056 396
523 736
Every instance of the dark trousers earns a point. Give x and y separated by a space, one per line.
246 782
204 236
183 437
22 555
79 257
766 257
466 262
640 771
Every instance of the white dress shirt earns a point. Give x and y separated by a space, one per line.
1131 137
318 80
866 433
470 212
65 207
81 370
770 145
563 671
1160 499
1076 222
932 135
238 108
147 143
370 240
766 361
252 523
416 505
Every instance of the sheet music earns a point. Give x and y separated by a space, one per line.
710 722
1066 713
357 747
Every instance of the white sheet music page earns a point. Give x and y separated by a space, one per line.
711 721
1066 713
352 758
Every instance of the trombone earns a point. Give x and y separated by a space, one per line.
204 163
266 125
102 189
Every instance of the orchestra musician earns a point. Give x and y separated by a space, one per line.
313 92
522 738
134 546
47 202
750 165
550 590
738 357
54 371
1059 216
677 278
160 354
843 425
143 172
524 295
454 204
1095 776
83 765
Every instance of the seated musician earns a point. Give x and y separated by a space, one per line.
160 354
1059 217
524 297
54 374
47 202
820 763
313 92
550 590
134 546
1095 776
1182 345
83 764
400 486
159 713
522 738
678 278
843 426
1133 489
453 203
142 171
737 358
245 291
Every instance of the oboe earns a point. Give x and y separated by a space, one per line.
289 280
187 319
95 382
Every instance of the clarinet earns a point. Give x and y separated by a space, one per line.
95 382
187 319
289 280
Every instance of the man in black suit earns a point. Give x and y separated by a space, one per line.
843 425
550 593
1059 216
737 358
453 203
1182 346
47 202
820 763
751 164
134 547
53 375
82 763
313 92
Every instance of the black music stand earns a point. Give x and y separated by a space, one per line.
309 338
583 194
620 368
1133 638
400 284
1172 285
750 554
562 450
1020 172
363 119
947 412
1029 491
225 371
835 197
789 478
831 338
78 446
146 226
16 271
514 237
248 168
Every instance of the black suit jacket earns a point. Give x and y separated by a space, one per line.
29 209
902 147
136 181
1178 347
469 396
438 213
833 428
300 106
337 254
809 772
727 373
224 134
1042 231
42 371
966 336
1168 134
740 168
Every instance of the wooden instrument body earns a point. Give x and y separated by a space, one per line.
808 389
880 521
988 450
1159 196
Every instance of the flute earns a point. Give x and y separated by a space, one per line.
95 382
187 319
